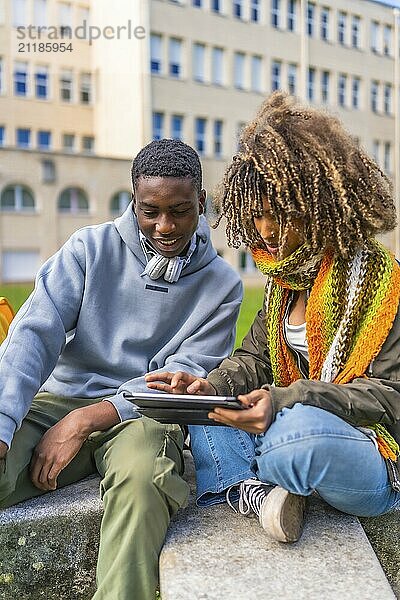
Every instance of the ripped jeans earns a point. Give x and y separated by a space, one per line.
140 463
305 449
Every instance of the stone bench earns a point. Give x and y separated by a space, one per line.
213 553
49 548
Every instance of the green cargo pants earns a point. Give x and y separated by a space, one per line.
140 463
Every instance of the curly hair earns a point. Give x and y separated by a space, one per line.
167 158
312 172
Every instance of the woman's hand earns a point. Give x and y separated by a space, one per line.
179 383
254 419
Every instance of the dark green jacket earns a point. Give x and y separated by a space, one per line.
366 400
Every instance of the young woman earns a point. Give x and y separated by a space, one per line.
319 370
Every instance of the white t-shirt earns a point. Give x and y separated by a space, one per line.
296 337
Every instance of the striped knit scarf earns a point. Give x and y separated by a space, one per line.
349 314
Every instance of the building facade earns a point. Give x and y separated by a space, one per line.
85 84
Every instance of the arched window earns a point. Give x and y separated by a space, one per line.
73 201
17 198
119 202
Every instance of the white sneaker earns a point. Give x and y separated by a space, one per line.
281 513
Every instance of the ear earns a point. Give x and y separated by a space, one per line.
133 201
202 202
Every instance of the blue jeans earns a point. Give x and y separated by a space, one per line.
305 449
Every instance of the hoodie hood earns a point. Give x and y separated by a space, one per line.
128 228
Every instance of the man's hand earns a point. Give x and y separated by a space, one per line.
62 442
254 419
59 445
179 383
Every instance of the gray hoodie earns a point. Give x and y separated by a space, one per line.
95 324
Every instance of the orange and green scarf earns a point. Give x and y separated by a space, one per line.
349 314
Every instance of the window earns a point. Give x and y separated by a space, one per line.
44 140
2 135
199 51
374 96
218 128
275 13
48 171
175 48
387 99
374 36
342 17
216 6
86 88
325 12
158 126
64 16
292 79
20 265
238 70
21 79
217 66
41 83
120 202
23 138
19 13
68 142
200 135
237 7
256 73
355 31
387 40
40 13
310 18
246 262
155 53
387 157
17 198
291 15
255 11
376 151
311 84
176 127
84 16
88 144
276 76
73 200
325 83
355 92
66 86
197 3
342 85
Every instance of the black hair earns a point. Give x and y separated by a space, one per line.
167 158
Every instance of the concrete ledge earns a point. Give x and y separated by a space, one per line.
384 534
49 551
214 553
49 545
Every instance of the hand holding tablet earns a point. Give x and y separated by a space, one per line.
184 409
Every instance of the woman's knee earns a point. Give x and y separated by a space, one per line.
307 447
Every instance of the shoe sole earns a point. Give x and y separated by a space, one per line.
282 515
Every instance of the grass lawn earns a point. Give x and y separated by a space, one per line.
252 301
16 294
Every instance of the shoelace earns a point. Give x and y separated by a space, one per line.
251 496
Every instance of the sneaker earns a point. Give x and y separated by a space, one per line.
281 513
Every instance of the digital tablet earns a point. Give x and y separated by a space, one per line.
183 409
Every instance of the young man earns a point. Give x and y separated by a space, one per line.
143 293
